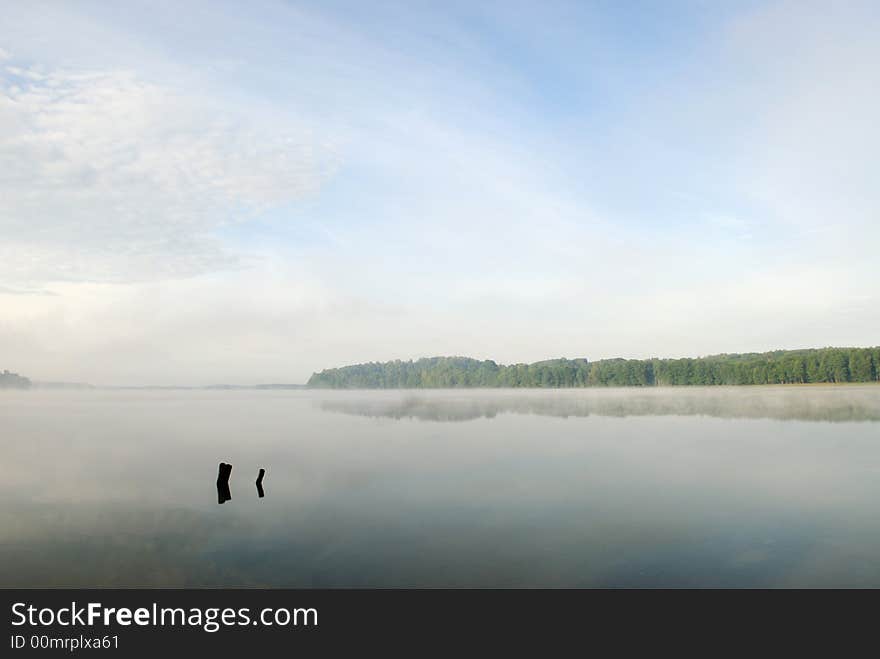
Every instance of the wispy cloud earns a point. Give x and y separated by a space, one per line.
107 177
7 290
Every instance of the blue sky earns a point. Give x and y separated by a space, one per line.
202 192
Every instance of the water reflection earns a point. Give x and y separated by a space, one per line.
803 403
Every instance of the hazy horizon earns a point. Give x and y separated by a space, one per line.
255 383
218 193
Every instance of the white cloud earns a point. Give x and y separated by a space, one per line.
108 177
8 290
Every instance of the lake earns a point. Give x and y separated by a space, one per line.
724 486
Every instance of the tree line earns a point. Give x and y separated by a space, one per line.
825 365
13 381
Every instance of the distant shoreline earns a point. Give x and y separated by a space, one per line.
301 387
808 366
814 366
78 386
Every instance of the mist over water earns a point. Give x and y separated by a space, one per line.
748 486
816 403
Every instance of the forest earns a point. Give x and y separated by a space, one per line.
818 365
13 381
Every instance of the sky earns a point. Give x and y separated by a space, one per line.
204 192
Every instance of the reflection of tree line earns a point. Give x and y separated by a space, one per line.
850 404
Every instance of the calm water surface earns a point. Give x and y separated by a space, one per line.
747 486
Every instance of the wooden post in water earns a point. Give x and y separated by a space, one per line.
223 473
260 492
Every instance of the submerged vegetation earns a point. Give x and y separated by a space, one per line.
828 365
13 381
